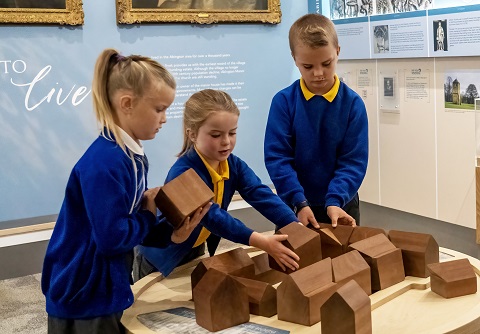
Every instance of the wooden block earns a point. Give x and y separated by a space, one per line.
302 293
453 278
182 196
418 250
262 297
334 239
303 241
384 259
236 262
264 273
350 266
220 301
347 311
364 232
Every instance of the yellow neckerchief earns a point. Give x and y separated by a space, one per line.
218 179
329 96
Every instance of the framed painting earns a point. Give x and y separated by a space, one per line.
65 12
198 11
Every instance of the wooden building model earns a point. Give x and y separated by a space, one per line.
347 311
182 196
302 293
418 250
220 301
304 242
384 259
452 278
350 266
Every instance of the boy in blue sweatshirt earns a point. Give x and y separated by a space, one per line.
316 139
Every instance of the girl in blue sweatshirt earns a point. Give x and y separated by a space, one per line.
210 127
107 209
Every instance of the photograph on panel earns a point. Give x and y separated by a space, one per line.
337 9
202 4
388 90
380 41
461 89
440 35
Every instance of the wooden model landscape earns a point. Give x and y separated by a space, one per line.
182 196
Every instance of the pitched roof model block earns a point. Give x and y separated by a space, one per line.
418 250
302 293
384 259
347 311
350 266
303 241
182 196
264 273
452 278
262 297
236 262
364 232
220 301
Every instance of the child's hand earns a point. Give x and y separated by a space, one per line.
182 234
306 216
339 216
272 244
148 202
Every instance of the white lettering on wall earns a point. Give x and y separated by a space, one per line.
75 95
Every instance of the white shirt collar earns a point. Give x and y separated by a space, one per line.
130 143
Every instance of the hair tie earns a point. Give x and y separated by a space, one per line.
119 58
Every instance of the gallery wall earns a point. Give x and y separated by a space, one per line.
45 100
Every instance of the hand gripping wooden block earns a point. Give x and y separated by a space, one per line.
182 196
453 278
303 241
262 297
347 311
350 266
384 259
236 262
418 250
302 293
220 301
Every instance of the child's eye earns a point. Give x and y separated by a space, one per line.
159 110
326 65
232 133
307 66
215 136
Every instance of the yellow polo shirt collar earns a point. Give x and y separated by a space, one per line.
329 96
218 179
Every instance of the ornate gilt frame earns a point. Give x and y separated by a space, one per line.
71 15
128 15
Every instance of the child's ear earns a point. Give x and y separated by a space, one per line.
338 50
126 103
191 135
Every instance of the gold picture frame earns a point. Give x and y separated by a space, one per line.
198 11
22 12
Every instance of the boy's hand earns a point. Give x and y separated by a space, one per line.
181 234
306 216
339 216
272 244
148 202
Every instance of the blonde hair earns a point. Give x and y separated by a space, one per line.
114 72
199 107
313 30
